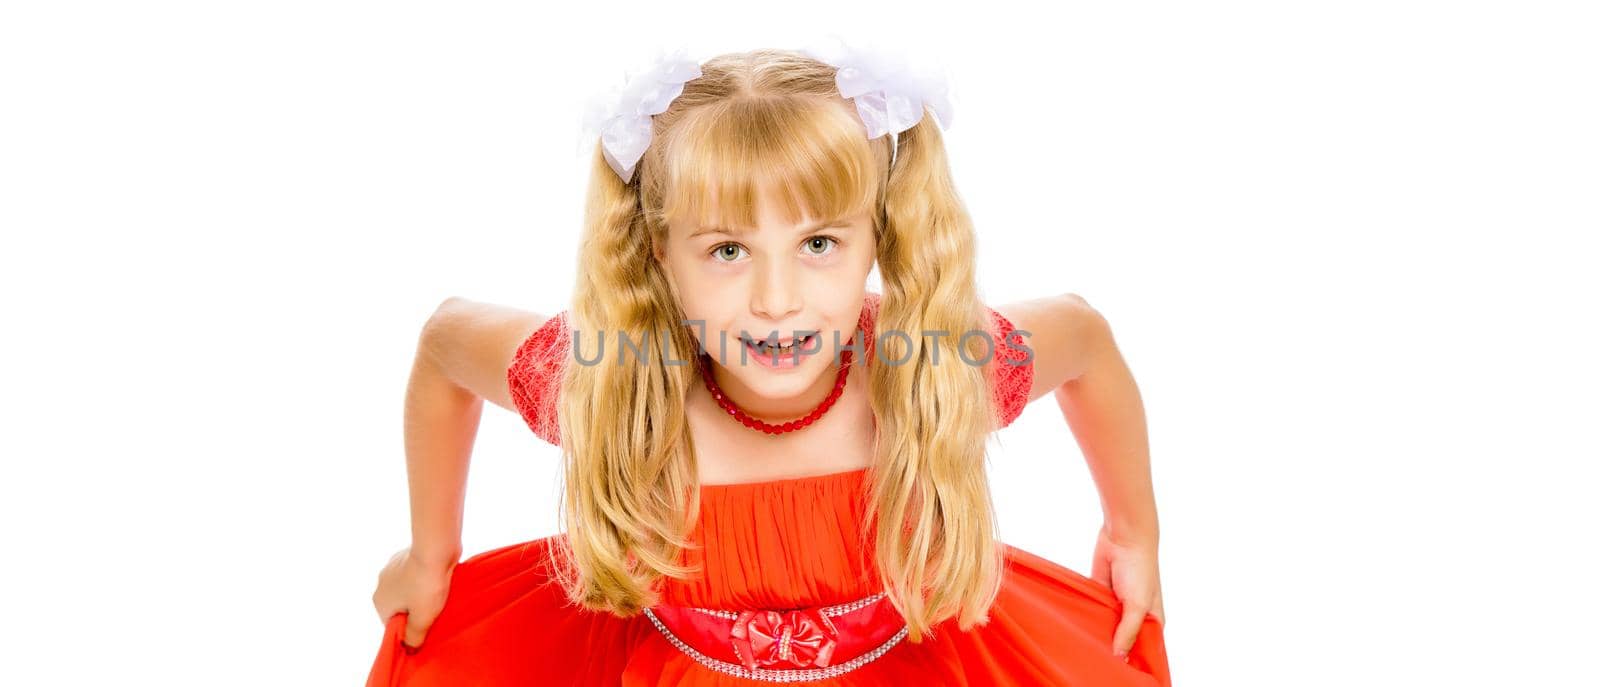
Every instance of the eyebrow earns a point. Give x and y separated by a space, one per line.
814 226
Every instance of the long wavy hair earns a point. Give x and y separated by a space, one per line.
775 119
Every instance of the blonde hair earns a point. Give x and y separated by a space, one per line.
774 119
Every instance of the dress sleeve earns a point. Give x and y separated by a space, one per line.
535 376
1012 369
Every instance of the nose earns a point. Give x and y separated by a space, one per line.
776 295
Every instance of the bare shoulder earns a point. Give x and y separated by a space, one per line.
475 342
1063 331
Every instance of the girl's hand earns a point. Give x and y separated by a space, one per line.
409 585
1128 566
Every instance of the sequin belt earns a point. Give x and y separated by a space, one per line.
784 645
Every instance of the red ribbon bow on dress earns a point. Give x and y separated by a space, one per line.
802 637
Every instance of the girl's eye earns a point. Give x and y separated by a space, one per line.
723 250
812 244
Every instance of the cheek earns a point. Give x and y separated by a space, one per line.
695 287
868 258
694 271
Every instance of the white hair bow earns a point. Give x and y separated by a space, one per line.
621 117
889 94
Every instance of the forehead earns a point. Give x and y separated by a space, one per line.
794 162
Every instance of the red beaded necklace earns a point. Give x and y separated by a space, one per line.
743 417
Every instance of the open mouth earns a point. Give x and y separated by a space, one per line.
778 346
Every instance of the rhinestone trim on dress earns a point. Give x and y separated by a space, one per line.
782 675
831 611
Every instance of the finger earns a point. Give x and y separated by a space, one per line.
1100 571
407 642
1127 630
382 607
417 629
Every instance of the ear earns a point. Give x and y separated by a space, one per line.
658 246
659 253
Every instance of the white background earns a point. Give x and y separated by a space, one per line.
1345 247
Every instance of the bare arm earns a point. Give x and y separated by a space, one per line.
462 356
1076 358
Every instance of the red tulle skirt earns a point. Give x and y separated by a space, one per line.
771 545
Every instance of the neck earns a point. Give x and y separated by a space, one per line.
774 410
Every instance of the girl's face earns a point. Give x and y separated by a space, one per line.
778 280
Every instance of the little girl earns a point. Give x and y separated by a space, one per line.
771 473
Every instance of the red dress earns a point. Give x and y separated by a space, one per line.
782 544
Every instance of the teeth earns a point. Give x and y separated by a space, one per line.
769 348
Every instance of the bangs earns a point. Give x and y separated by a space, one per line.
811 154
